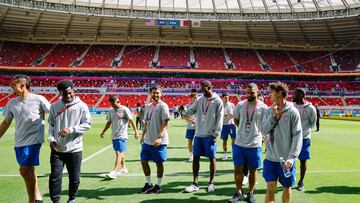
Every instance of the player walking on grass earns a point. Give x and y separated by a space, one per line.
248 116
69 119
308 120
190 130
154 139
228 124
282 124
118 118
28 110
209 113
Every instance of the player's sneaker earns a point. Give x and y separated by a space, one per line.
112 175
156 189
191 188
211 187
245 180
301 187
71 201
236 198
147 187
124 171
250 197
225 157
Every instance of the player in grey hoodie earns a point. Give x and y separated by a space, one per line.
308 120
282 124
69 118
209 114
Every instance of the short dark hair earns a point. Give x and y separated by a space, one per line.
224 94
64 84
206 83
279 87
155 87
301 90
252 85
23 78
112 99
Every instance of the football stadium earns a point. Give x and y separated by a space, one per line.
180 101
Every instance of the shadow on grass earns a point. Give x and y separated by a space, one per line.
224 190
335 190
176 147
191 199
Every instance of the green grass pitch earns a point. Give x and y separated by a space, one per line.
333 172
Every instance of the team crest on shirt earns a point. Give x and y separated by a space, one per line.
286 118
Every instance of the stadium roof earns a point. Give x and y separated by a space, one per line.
59 23
218 6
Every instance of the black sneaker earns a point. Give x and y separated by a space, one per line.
301 187
237 197
250 198
146 188
156 189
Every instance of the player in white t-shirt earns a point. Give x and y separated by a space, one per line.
28 111
229 127
118 118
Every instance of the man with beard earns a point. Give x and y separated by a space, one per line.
308 120
28 111
248 116
69 119
154 139
209 114
282 124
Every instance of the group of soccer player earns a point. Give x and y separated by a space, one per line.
284 127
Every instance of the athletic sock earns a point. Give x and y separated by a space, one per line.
159 181
148 180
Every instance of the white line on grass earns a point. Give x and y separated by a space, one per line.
177 174
91 156
96 153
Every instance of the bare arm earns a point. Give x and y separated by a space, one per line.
143 133
163 127
107 126
236 121
4 126
134 127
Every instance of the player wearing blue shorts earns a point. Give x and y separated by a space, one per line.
209 113
190 130
28 110
282 125
229 127
118 118
308 120
248 116
154 139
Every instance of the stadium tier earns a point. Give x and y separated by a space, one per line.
96 91
106 56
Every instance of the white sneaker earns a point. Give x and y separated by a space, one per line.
245 180
211 187
112 175
225 157
124 171
191 158
191 188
